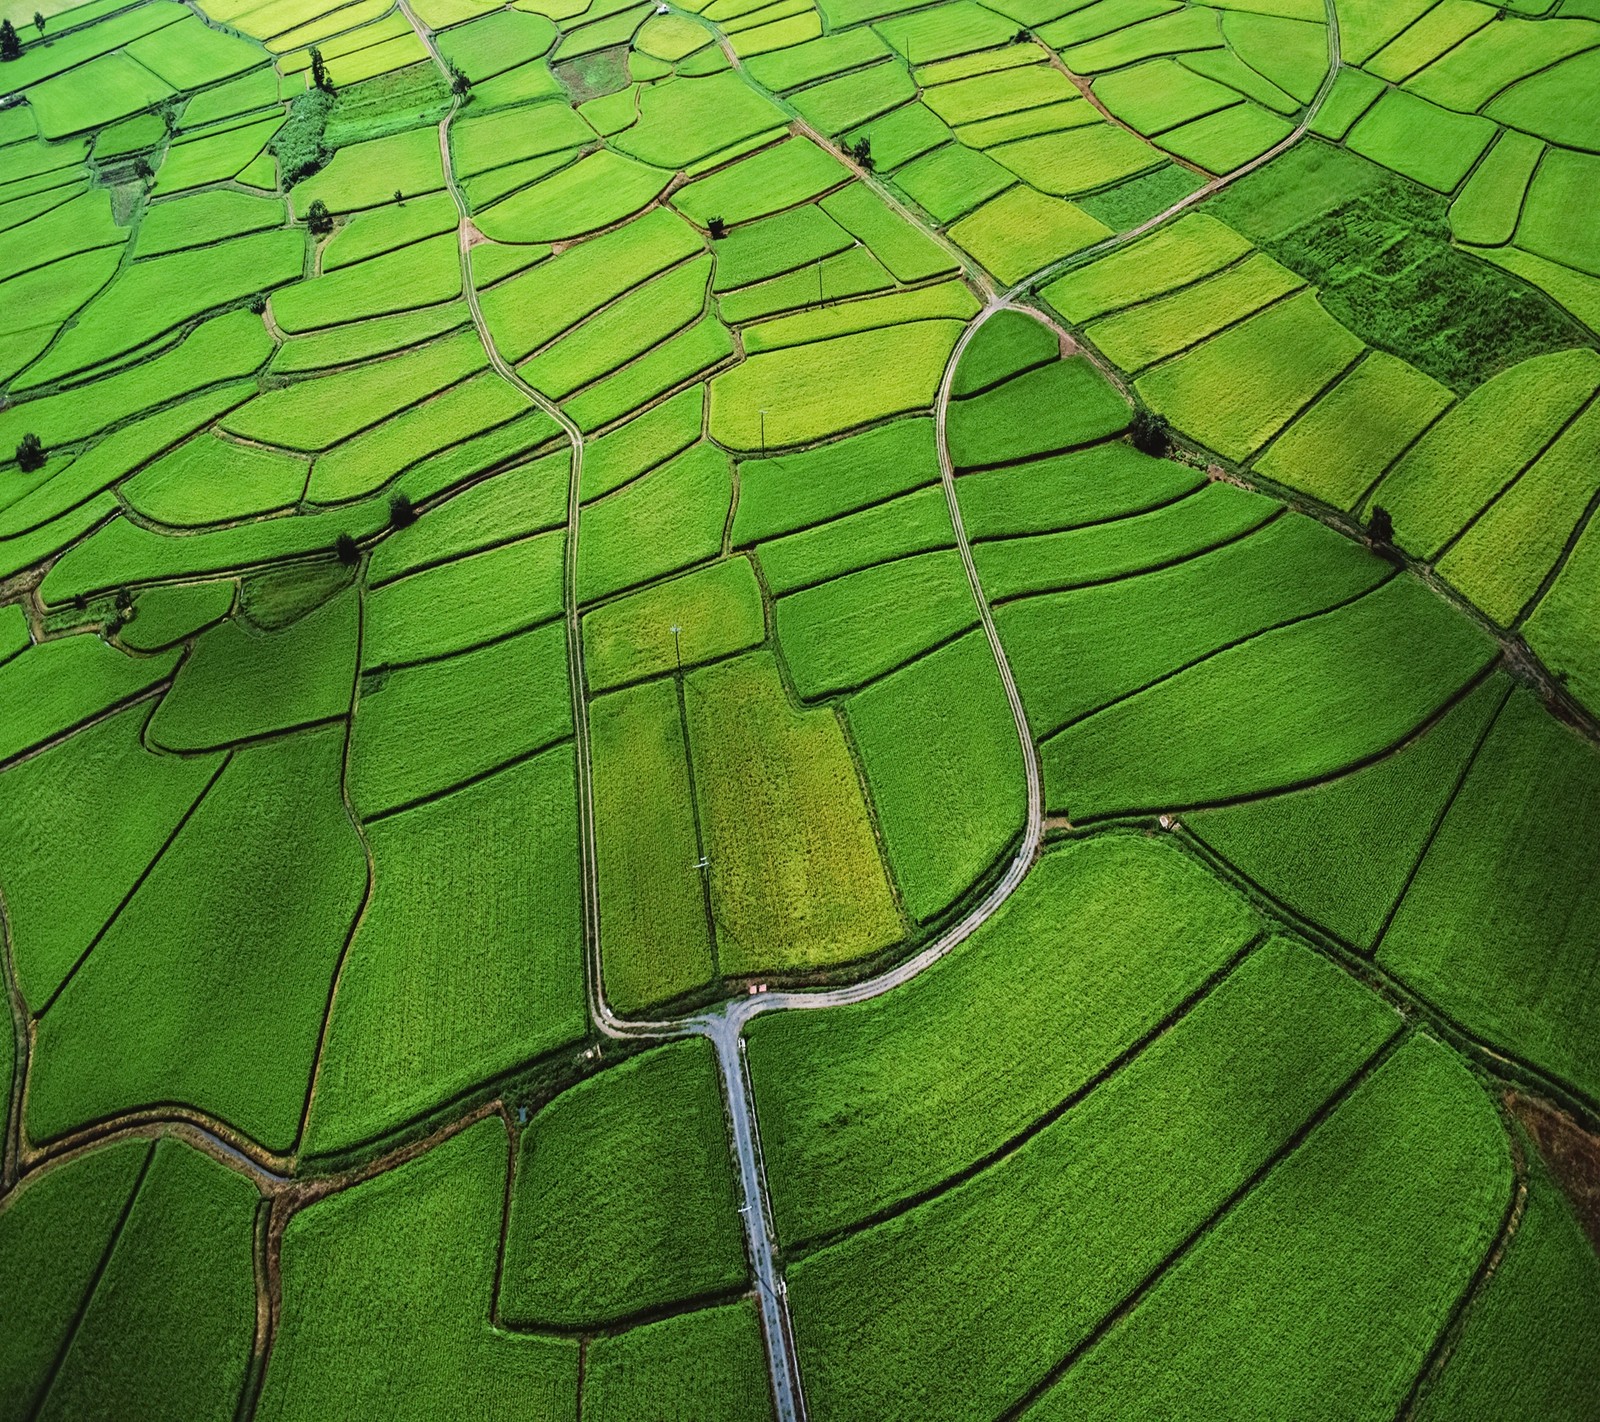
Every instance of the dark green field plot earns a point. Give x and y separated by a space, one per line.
624 1197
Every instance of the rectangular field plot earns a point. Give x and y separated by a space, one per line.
402 1268
1098 552
625 1195
1073 1215
716 611
1238 389
781 494
1469 456
1498 926
656 938
230 944
796 878
868 1105
1355 1248
468 960
428 728
1342 852
1256 717
937 740
1074 652
842 634
809 392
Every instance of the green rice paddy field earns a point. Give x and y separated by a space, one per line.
772 709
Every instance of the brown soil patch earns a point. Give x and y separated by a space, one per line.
1572 1153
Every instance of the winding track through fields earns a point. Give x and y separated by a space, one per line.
724 1024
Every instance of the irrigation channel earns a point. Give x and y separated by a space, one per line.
724 1024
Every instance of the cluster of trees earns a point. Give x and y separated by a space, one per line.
10 44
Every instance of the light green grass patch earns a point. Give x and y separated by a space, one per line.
1487 210
209 479
856 98
465 964
790 172
1228 140
909 254
367 174
424 729
796 880
1424 142
1502 560
640 321
422 274
811 391
1238 389
951 181
656 941
1022 231
625 1195
1142 335
228 946
766 248
594 192
1338 447
206 217
668 520
717 611
1192 247
681 120
1468 456
952 299
1161 94
464 602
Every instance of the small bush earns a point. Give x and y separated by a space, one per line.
1150 433
1380 527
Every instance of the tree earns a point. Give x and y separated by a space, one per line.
1380 527
142 169
346 550
861 151
1022 37
399 198
460 85
30 454
717 227
10 45
258 304
1150 433
319 72
38 22
402 513
319 219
